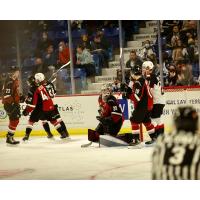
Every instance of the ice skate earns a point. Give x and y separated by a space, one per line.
10 140
151 142
25 138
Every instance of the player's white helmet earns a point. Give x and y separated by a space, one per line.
147 65
39 77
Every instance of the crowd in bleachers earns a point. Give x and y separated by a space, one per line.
44 47
92 47
180 54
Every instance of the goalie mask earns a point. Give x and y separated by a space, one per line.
186 119
106 91
39 77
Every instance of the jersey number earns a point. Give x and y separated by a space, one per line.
44 96
114 108
7 91
178 156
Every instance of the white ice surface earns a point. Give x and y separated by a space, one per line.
46 159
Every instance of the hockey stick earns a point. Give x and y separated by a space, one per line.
59 70
86 145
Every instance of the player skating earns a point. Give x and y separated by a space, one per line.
42 108
158 96
11 100
29 99
142 99
176 156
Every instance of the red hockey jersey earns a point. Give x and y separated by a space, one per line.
41 96
141 95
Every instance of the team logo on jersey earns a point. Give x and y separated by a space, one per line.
3 113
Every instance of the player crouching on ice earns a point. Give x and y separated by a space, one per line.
139 94
41 107
110 120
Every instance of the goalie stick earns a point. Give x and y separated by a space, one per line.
86 145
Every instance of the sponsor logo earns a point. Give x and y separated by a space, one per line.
3 113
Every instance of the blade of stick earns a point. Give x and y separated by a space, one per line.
86 145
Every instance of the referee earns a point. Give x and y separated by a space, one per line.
176 156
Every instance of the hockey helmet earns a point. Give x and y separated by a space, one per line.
39 77
106 90
147 65
186 119
136 70
13 69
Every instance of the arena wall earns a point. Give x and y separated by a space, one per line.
79 112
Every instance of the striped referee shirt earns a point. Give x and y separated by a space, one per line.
176 156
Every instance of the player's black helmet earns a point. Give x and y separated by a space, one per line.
13 69
136 70
186 119
31 80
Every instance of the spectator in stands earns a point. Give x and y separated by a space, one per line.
43 43
50 58
189 51
133 60
63 56
172 76
172 38
50 61
99 48
177 53
85 41
85 61
147 50
38 67
185 77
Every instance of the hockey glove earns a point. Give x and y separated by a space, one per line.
22 98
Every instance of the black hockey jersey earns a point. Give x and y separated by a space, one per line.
50 89
177 157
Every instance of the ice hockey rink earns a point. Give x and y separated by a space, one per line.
45 159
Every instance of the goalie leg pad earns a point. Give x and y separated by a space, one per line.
110 141
127 137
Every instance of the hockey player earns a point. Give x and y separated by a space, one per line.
110 116
42 108
33 86
142 99
176 156
52 93
11 101
158 96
